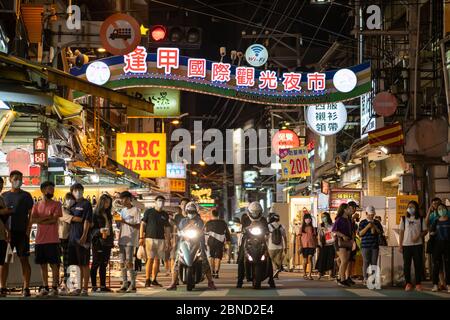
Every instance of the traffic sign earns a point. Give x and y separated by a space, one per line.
120 34
385 104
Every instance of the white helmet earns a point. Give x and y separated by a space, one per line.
255 210
191 209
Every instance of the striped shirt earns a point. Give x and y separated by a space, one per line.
369 240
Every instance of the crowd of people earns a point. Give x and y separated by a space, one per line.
84 236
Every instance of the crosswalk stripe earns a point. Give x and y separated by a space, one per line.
215 293
438 294
291 293
366 293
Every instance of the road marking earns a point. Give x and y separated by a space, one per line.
291 293
215 293
366 293
438 294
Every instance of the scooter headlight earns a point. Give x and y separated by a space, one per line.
256 231
190 234
249 258
263 257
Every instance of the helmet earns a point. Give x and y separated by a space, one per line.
254 211
191 209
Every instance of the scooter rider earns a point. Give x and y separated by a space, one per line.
193 218
254 212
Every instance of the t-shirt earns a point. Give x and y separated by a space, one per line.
434 216
19 159
442 230
369 240
309 238
129 236
82 209
21 202
155 221
344 226
414 227
217 231
3 218
177 219
47 233
272 226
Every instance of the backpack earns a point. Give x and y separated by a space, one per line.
277 237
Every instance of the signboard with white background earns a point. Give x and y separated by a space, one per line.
175 170
326 119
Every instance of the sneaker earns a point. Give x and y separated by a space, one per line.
84 293
344 283
155 283
272 284
211 285
408 287
419 287
442 287
148 283
123 289
350 281
63 291
435 288
26 293
239 285
131 289
172 287
3 292
94 289
104 289
75 293
53 292
41 294
310 278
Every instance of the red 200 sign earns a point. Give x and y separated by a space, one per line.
298 166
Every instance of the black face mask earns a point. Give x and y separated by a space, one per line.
49 195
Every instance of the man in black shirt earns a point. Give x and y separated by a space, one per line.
217 233
21 203
156 238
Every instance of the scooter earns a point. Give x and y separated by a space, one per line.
256 259
190 257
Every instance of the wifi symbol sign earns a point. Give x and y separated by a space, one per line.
256 55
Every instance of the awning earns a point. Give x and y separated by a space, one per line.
68 110
21 94
64 79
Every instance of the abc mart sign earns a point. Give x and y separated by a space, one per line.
178 79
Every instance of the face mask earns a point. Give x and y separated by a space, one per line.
49 195
411 211
78 194
442 213
307 221
16 184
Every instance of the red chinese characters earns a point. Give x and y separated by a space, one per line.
245 76
268 79
291 81
316 81
168 58
196 68
220 72
135 61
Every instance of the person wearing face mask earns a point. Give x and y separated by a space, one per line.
327 252
412 231
441 249
79 237
369 231
342 228
277 243
355 220
308 244
46 214
63 231
155 236
4 214
21 203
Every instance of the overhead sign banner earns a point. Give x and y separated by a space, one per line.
294 163
176 170
326 119
340 196
166 102
167 69
368 119
177 185
120 34
143 153
402 205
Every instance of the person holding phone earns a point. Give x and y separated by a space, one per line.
4 213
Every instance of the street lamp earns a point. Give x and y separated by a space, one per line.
202 163
193 146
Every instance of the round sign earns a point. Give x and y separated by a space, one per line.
120 34
345 80
284 139
326 119
385 104
98 72
256 55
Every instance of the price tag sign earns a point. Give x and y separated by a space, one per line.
294 163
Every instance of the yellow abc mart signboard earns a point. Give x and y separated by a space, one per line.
144 153
294 163
402 205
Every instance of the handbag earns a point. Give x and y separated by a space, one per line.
348 244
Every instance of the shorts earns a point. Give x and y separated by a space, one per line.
79 255
216 251
154 248
126 254
308 252
21 242
48 253
3 248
